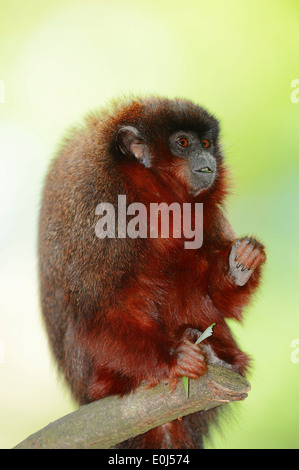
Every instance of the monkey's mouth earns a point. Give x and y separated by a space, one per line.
205 169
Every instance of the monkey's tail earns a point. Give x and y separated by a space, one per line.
186 433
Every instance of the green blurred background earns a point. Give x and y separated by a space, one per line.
62 58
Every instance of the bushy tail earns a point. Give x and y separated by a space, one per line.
187 433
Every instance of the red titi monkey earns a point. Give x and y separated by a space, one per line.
119 311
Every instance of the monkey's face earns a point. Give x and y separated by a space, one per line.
184 155
175 141
199 162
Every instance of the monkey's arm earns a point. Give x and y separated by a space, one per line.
133 349
235 275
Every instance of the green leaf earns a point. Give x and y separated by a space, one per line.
208 332
186 385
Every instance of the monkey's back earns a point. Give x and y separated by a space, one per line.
79 272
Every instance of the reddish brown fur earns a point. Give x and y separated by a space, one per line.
119 312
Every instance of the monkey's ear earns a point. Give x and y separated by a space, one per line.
130 142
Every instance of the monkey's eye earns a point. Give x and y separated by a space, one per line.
206 143
183 142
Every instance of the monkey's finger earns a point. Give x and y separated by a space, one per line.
244 253
191 349
257 257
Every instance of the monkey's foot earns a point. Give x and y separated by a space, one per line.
246 254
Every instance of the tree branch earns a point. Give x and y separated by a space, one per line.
104 423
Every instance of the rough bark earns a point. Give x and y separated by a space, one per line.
102 424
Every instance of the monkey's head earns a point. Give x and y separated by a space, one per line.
172 139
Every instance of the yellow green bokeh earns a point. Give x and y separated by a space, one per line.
62 58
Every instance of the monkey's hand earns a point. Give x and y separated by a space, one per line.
189 360
245 256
